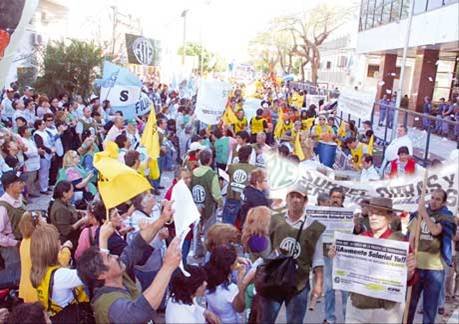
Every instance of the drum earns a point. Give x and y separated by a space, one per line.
327 153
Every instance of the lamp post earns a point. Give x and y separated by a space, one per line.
183 15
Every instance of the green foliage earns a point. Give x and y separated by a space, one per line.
210 62
70 68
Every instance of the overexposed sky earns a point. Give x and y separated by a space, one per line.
223 26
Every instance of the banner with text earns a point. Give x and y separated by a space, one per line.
370 266
404 191
358 104
334 219
211 100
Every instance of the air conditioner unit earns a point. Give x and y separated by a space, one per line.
37 39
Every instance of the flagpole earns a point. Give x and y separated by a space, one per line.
416 245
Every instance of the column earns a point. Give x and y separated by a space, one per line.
425 71
387 73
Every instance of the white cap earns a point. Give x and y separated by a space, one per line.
196 146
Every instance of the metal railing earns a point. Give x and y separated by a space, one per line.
409 119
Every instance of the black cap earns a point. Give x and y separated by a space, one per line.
10 177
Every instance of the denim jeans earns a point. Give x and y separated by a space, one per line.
230 211
185 250
430 283
330 293
296 308
382 115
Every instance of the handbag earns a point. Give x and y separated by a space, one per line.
276 278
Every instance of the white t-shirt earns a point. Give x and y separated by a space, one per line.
64 281
177 312
220 302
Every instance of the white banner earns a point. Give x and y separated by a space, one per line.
211 101
334 219
404 191
370 266
358 104
314 99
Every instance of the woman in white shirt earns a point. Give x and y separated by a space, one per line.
182 306
31 161
225 298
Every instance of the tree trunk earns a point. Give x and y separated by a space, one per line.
302 70
315 64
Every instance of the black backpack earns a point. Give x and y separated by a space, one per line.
276 278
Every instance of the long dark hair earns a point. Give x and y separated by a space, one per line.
182 288
219 266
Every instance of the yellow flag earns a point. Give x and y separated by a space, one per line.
117 182
279 125
229 117
150 138
341 130
371 144
298 150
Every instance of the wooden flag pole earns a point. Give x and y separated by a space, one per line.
416 244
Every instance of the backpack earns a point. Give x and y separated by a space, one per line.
276 278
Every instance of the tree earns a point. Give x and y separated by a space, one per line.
309 30
205 57
69 68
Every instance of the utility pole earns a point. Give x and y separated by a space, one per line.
183 15
114 29
402 71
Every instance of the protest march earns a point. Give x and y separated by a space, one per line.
133 194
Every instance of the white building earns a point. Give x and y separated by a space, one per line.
48 23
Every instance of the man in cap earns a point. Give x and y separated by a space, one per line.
365 309
28 93
308 253
11 210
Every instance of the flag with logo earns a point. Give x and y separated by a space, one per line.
123 89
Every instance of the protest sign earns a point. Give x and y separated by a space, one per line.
404 191
370 266
142 50
314 99
356 103
334 219
211 100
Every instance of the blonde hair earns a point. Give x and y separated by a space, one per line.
44 249
256 223
69 158
219 234
28 223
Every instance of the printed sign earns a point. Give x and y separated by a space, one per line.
370 266
334 219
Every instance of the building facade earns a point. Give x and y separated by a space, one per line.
432 67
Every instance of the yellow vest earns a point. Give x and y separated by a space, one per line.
357 155
240 125
45 299
256 125
319 131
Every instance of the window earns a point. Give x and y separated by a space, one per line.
419 6
395 12
363 14
370 15
378 11
328 66
434 4
405 8
373 71
386 12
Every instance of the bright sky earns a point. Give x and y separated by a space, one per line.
223 26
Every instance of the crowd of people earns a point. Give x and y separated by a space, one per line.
73 263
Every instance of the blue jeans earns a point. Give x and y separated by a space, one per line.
330 293
230 211
382 115
430 283
296 308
